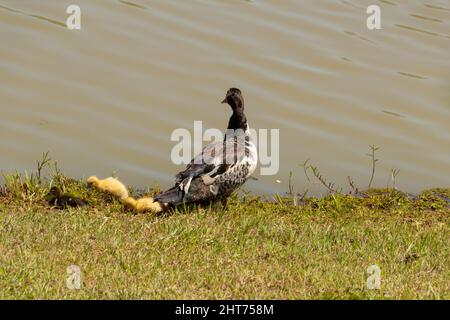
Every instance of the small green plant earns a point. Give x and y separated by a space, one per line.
353 187
331 187
373 149
393 177
41 165
291 184
28 186
34 186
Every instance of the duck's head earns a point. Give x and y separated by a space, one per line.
54 192
234 99
93 180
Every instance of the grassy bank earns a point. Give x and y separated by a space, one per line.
255 248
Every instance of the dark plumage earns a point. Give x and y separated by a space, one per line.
222 167
238 120
60 200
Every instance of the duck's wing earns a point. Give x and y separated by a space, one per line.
214 159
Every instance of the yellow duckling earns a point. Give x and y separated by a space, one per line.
110 185
142 205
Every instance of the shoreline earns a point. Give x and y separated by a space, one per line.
318 248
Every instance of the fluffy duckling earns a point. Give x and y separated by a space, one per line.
110 185
61 200
117 189
142 205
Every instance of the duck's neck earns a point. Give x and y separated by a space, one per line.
237 125
237 121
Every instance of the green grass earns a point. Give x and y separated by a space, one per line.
319 248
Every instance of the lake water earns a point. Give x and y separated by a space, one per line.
106 98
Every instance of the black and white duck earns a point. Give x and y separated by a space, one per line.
221 167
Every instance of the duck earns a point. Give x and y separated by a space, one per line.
143 205
222 166
61 200
213 175
118 190
110 185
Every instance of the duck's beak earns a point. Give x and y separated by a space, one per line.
224 100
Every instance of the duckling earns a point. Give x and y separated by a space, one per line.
146 204
109 185
61 200
116 188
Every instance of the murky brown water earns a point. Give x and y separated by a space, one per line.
106 98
